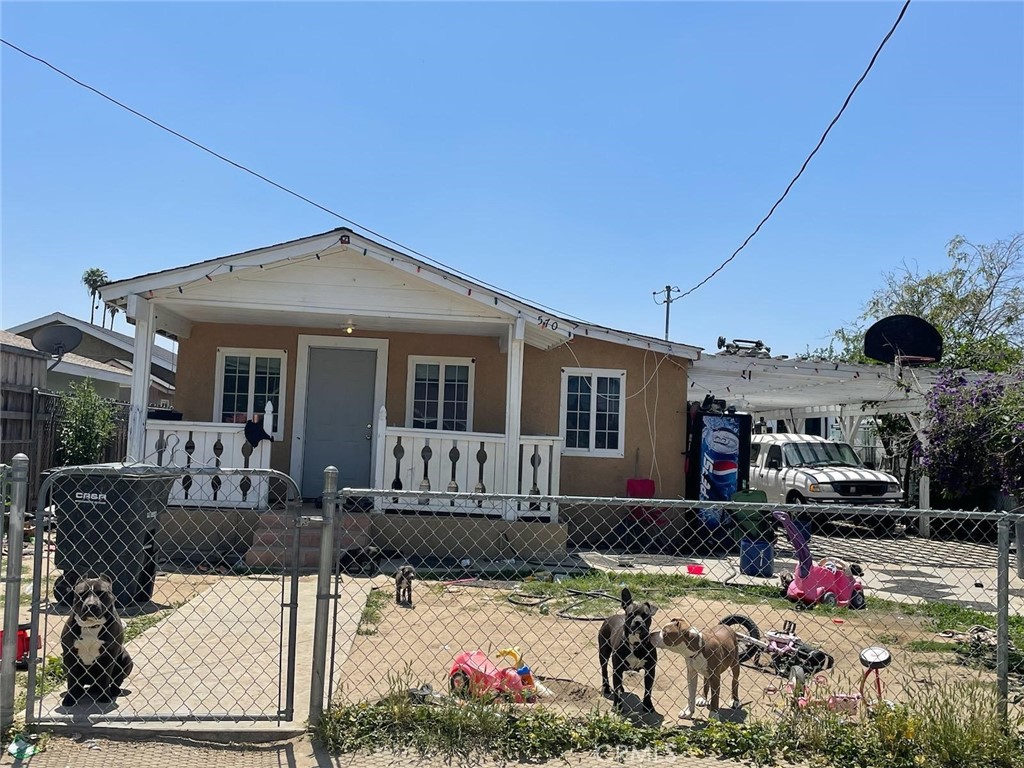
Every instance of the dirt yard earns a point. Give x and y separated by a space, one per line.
400 647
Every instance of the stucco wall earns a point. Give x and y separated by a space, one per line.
663 423
657 430
61 382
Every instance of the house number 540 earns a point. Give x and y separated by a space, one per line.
547 322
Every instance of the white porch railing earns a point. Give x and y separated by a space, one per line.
466 462
209 444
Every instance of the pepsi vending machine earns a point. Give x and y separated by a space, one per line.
717 457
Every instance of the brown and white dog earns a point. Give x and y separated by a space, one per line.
710 653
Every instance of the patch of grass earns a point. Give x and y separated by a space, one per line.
371 615
889 638
659 588
949 727
930 646
136 625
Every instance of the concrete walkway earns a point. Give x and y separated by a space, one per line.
221 653
296 753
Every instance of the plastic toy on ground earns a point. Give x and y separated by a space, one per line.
784 649
22 646
474 675
828 582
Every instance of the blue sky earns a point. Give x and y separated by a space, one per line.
582 155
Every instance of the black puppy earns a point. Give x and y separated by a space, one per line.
364 561
625 639
403 585
92 643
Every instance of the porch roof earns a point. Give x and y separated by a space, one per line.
207 291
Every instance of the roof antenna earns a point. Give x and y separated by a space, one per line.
56 341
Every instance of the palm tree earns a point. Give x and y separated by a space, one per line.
93 279
113 312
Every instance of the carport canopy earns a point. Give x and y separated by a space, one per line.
796 390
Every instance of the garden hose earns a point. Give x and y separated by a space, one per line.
582 597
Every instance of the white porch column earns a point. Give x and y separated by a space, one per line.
143 312
513 406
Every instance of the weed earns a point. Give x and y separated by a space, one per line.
949 727
930 646
375 601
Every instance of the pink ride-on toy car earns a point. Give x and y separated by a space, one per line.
473 674
830 582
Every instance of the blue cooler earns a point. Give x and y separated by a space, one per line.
757 558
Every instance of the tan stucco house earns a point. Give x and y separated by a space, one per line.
362 356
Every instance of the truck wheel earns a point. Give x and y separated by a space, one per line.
746 626
795 498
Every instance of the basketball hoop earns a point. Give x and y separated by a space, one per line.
913 361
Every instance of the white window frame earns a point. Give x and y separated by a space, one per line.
410 387
218 395
618 453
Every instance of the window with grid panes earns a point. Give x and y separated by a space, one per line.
593 421
248 379
441 394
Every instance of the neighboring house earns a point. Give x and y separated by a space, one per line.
397 371
116 350
110 381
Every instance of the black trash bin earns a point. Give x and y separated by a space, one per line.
107 519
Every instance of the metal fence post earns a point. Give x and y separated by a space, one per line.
323 597
1020 547
1003 617
12 588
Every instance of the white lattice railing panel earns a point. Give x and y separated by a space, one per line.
207 444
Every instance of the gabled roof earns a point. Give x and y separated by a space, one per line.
495 299
161 357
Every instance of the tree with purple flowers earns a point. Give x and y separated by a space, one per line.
975 440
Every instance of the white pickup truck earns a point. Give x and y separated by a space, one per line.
805 469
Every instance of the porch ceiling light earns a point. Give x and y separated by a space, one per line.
350 327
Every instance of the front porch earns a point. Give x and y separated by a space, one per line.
405 459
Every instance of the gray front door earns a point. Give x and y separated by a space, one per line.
339 418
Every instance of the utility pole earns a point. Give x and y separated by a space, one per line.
669 298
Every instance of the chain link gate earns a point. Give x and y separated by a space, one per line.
844 605
204 566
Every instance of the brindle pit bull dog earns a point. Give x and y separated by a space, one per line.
92 643
710 653
625 640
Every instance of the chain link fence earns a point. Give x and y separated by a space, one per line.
843 605
154 601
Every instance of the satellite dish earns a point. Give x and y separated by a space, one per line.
911 339
56 341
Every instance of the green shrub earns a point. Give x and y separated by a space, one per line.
955 726
87 426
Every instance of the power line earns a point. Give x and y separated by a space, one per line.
275 184
803 167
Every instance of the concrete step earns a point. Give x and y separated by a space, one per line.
280 557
